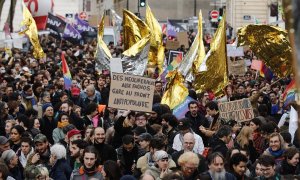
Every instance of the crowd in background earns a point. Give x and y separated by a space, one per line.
49 132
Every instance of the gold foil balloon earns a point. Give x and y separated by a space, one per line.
216 77
270 44
176 92
103 54
29 28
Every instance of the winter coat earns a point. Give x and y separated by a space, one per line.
61 170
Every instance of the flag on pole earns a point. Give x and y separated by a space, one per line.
196 54
215 78
289 93
137 35
84 28
103 55
266 72
29 28
175 92
66 72
155 59
269 43
72 35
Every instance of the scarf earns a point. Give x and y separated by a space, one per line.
276 154
62 124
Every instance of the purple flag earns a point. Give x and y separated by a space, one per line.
72 35
171 30
83 26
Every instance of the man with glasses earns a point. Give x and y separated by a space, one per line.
141 121
268 167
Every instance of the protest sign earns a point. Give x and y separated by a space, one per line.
131 92
180 110
183 39
233 51
236 67
240 110
256 64
172 44
173 55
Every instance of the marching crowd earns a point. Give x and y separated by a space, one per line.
48 132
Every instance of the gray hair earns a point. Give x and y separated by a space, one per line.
59 151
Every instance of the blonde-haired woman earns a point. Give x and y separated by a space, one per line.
245 141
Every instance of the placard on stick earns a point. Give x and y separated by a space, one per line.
240 110
131 92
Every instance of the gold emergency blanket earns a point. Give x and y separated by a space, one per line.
156 58
137 43
216 77
103 54
270 44
29 28
176 92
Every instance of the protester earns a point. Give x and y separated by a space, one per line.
106 151
76 152
60 168
188 163
11 160
160 168
63 121
238 166
268 167
57 121
90 168
25 151
216 168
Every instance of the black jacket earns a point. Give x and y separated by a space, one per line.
76 121
196 122
217 145
120 131
106 152
47 127
61 170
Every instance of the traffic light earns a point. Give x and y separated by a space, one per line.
274 10
142 3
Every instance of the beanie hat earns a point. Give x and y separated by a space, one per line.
159 155
46 105
156 108
73 132
8 155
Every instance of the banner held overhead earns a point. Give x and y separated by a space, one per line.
131 92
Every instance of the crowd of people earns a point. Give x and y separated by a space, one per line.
48 132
